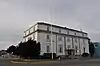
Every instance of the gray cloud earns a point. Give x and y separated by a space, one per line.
17 15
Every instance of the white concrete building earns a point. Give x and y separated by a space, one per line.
63 39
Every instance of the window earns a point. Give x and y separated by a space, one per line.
27 32
75 34
59 30
30 38
47 28
60 49
82 34
68 32
59 38
33 37
84 49
68 46
48 48
76 48
68 39
83 42
48 37
34 28
76 40
24 33
31 30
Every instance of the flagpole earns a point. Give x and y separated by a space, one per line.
51 42
51 31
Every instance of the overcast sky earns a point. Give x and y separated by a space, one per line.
17 15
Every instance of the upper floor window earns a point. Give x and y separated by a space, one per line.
82 34
33 37
68 39
34 28
47 28
59 30
68 32
83 41
29 31
76 40
24 33
48 36
75 34
59 38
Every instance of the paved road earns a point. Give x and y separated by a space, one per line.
7 62
81 62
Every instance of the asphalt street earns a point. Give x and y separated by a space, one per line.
78 62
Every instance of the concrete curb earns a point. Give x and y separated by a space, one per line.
40 62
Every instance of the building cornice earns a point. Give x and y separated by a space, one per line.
38 30
42 23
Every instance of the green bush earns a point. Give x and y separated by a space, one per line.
49 56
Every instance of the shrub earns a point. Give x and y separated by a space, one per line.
85 54
49 55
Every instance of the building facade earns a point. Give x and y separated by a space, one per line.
63 39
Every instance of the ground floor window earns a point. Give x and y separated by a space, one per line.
68 46
84 49
60 48
76 48
48 48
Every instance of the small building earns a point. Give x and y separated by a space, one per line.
63 39
96 49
